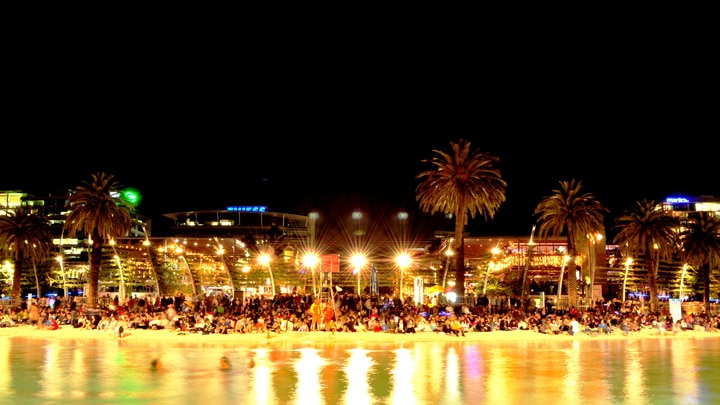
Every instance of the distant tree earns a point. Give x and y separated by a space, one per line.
568 211
464 181
98 210
25 235
700 242
646 231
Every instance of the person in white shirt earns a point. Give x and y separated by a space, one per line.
574 326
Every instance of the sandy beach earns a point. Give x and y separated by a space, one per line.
66 332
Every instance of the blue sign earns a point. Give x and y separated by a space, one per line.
250 208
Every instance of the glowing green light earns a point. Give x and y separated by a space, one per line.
131 196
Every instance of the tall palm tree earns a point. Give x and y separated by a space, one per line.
577 215
700 241
463 181
24 235
98 210
646 231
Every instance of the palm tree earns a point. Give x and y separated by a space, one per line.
648 232
577 215
464 181
24 235
700 241
99 211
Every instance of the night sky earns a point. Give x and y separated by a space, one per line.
194 129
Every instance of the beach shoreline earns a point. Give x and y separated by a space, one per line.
67 332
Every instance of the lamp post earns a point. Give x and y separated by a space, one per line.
122 279
403 260
358 261
682 281
310 261
122 276
628 263
59 258
594 242
449 254
565 259
264 259
491 266
220 251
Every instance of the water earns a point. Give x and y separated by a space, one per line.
636 371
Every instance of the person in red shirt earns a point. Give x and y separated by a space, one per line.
328 318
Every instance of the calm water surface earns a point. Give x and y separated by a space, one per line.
636 371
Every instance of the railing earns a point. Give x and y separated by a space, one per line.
10 303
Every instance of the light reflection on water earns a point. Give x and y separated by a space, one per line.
634 371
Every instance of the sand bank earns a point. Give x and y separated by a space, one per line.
67 332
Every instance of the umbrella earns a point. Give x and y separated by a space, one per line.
435 289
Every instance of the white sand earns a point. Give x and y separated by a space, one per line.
66 332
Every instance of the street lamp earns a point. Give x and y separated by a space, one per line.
264 260
449 254
403 260
311 260
122 277
59 258
358 261
628 263
594 241
682 281
491 266
565 259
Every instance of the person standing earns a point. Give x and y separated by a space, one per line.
329 317
34 315
73 311
315 314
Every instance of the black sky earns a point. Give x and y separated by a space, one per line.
307 129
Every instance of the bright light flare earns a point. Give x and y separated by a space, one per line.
403 260
310 260
358 261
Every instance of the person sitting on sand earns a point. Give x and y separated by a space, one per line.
7 321
260 325
603 327
51 324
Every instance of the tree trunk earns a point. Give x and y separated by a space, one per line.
460 251
572 282
652 279
95 263
37 280
706 286
17 279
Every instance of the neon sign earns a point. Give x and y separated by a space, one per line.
675 200
249 208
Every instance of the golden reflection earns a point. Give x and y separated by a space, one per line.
356 371
634 375
50 384
452 377
309 386
686 369
571 384
632 370
5 372
497 390
402 374
263 383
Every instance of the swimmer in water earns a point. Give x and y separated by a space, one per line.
155 364
224 363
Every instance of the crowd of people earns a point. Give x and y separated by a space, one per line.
223 314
